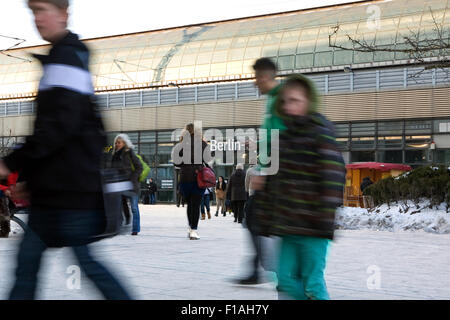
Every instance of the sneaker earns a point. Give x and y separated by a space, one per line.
189 232
134 233
194 235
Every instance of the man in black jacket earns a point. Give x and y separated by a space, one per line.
61 161
237 193
152 188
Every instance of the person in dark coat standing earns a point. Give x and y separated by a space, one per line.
192 142
366 182
152 189
60 162
125 160
237 193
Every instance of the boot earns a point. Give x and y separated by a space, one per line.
203 216
217 213
209 215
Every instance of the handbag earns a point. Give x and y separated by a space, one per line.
206 177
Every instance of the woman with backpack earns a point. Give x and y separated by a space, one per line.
129 164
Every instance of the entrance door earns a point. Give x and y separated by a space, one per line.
166 183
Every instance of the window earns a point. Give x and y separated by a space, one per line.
341 129
148 136
148 151
390 128
363 129
442 156
390 142
363 143
165 136
362 156
417 142
390 156
164 155
416 156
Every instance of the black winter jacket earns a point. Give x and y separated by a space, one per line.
128 164
236 186
188 170
152 187
61 160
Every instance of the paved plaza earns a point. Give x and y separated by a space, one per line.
161 263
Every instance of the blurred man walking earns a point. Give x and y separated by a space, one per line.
61 161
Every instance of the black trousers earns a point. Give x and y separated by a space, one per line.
238 210
193 202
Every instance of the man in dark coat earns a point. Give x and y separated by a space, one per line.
60 161
236 192
152 189
366 182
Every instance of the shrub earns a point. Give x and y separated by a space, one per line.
431 183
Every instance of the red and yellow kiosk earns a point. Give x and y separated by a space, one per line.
376 171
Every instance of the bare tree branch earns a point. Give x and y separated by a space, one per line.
416 48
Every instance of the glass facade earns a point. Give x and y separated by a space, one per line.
226 50
407 141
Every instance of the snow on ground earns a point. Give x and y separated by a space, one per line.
162 263
394 218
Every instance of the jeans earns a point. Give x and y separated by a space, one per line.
205 203
152 198
134 201
301 272
73 226
192 196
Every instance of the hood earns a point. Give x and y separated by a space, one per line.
314 99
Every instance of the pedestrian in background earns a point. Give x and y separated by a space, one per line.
300 204
152 189
221 188
254 277
125 160
205 204
237 193
60 162
189 189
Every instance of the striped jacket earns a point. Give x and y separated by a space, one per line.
302 198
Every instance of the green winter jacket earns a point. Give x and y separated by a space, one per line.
271 121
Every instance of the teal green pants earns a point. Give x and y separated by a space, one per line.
301 270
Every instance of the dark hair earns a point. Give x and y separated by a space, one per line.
224 184
61 4
265 64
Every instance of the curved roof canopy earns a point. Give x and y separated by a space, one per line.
226 50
